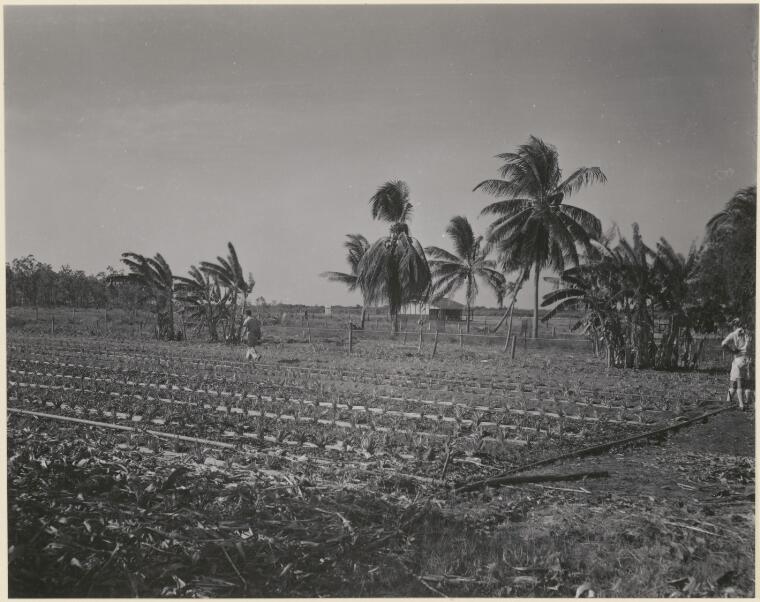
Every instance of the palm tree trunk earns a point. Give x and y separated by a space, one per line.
364 316
170 317
535 302
231 332
211 320
242 309
510 309
158 318
468 318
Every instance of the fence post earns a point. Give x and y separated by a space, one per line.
514 340
419 348
435 342
52 325
554 332
460 335
350 339
506 343
525 339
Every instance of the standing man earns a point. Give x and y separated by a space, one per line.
738 342
250 333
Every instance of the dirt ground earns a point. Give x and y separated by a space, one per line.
688 463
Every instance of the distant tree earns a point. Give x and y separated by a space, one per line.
452 271
26 280
394 269
535 229
125 293
11 286
357 246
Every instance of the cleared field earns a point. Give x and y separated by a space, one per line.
410 407
170 427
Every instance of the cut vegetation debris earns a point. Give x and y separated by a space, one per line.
147 469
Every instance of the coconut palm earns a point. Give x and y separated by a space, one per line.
230 275
155 276
452 271
394 268
357 246
535 229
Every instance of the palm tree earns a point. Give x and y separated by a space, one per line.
357 246
452 271
155 276
230 274
739 211
535 229
203 294
673 274
394 268
623 288
727 271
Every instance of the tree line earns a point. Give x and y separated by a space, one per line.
30 282
622 286
211 297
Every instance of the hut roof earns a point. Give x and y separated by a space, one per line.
446 304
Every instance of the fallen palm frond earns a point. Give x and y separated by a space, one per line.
594 449
537 478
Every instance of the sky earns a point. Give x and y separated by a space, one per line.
177 129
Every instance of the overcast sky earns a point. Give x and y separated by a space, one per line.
176 129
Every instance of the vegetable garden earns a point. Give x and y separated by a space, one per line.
166 427
492 408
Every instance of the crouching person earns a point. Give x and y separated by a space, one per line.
738 342
250 334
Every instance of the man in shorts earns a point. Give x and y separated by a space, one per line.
738 342
250 334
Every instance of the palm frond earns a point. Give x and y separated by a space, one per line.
505 227
349 279
508 208
584 176
588 221
498 187
391 202
441 255
460 232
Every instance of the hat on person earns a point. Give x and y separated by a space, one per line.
736 322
